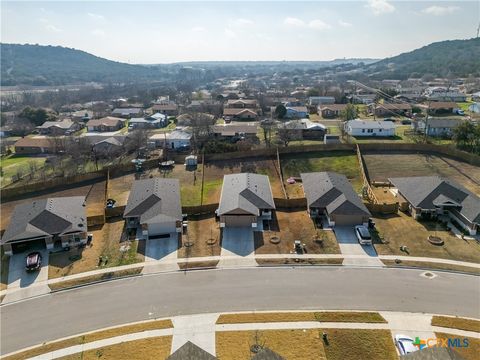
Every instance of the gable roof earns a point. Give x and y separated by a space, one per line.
36 142
64 124
333 107
154 200
370 124
52 216
190 351
427 192
333 192
238 111
304 124
106 121
267 354
235 128
245 192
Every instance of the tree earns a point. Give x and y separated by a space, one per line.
36 116
280 111
349 113
22 127
467 136
313 92
201 125
267 127
288 133
137 139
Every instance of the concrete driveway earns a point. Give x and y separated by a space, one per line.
237 242
26 283
349 245
164 249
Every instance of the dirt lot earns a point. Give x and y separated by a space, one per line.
215 170
401 229
382 166
343 162
107 242
95 200
200 230
291 226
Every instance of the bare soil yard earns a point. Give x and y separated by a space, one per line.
95 200
343 162
109 241
201 229
383 166
295 225
401 229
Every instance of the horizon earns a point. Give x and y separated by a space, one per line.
223 32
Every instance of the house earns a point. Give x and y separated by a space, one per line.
37 145
432 196
167 107
439 107
154 207
330 194
108 147
242 104
303 129
82 115
474 108
362 98
154 121
321 100
106 124
360 127
245 200
176 139
389 109
476 96
207 105
60 221
235 130
64 127
127 113
296 112
437 126
440 93
239 114
331 111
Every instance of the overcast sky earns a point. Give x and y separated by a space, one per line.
162 32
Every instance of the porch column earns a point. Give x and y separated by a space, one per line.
49 242
7 248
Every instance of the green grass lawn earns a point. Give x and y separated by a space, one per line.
464 105
13 163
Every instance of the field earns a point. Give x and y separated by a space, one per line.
401 229
386 165
95 200
11 164
339 161
291 226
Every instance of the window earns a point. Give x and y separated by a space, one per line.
370 130
363 130
379 130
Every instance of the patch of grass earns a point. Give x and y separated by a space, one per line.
468 353
456 323
327 316
198 264
433 266
290 344
95 336
13 163
5 261
355 344
303 261
90 279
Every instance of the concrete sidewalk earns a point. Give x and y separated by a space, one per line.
198 329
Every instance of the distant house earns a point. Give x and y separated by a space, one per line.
108 147
176 139
331 111
476 96
82 115
154 207
440 93
389 109
432 196
106 124
168 108
331 195
360 127
207 105
48 222
127 113
64 127
296 112
437 126
363 98
474 108
321 100
154 121
303 129
439 107
37 145
241 109
235 130
245 200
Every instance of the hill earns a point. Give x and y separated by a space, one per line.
446 58
56 65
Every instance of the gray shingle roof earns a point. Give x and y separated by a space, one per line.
267 354
154 200
333 192
426 191
190 351
433 353
52 216
247 192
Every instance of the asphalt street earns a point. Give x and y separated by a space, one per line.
66 313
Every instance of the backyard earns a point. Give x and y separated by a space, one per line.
386 165
343 162
17 164
401 229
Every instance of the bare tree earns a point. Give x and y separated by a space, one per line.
22 127
287 133
137 140
201 126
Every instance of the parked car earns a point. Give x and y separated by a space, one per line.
33 261
363 235
389 119
406 122
404 344
460 112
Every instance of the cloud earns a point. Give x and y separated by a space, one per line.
98 32
229 33
199 29
49 26
96 16
290 21
380 7
344 23
440 10
318 25
242 22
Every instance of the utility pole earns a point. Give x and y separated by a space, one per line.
426 123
